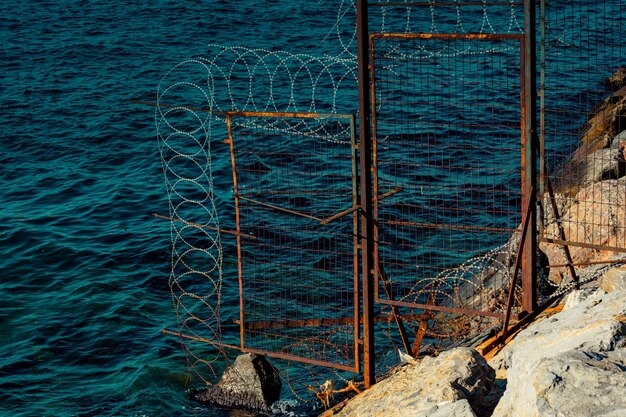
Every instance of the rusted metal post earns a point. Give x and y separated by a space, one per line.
365 148
242 321
529 160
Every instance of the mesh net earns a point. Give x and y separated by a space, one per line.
447 115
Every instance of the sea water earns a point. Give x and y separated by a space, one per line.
84 286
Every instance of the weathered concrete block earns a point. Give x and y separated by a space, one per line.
251 382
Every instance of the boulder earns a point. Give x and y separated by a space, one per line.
617 79
601 165
586 170
573 384
589 220
607 123
576 297
619 141
572 363
251 383
613 280
436 386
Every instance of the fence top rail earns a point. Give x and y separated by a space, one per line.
294 115
446 3
478 36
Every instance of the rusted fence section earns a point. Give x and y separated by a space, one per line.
294 177
448 166
582 148
426 226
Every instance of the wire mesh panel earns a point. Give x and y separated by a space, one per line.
295 196
583 115
447 157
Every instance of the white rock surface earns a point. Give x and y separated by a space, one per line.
445 385
571 364
613 280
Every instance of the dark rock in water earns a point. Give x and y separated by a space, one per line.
617 80
250 383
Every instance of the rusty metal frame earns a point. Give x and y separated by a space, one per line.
354 211
527 160
546 190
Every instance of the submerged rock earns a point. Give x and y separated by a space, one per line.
617 79
445 385
251 382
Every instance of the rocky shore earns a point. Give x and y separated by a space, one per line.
571 361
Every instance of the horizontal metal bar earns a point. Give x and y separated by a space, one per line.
200 339
295 213
478 36
440 308
449 226
302 359
446 3
340 214
295 115
201 226
614 261
583 245
390 193
279 324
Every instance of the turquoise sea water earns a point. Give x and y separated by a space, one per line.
84 265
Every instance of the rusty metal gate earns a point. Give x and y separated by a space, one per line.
294 177
448 167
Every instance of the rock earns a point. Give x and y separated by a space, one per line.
459 408
251 382
608 120
617 80
601 165
586 170
436 386
576 297
613 280
619 141
589 220
573 384
571 364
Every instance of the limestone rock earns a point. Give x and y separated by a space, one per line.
617 79
619 141
608 121
576 297
251 382
578 384
601 165
613 280
459 408
436 386
572 363
590 220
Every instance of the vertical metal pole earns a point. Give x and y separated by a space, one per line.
529 117
542 98
365 147
355 259
542 120
239 266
